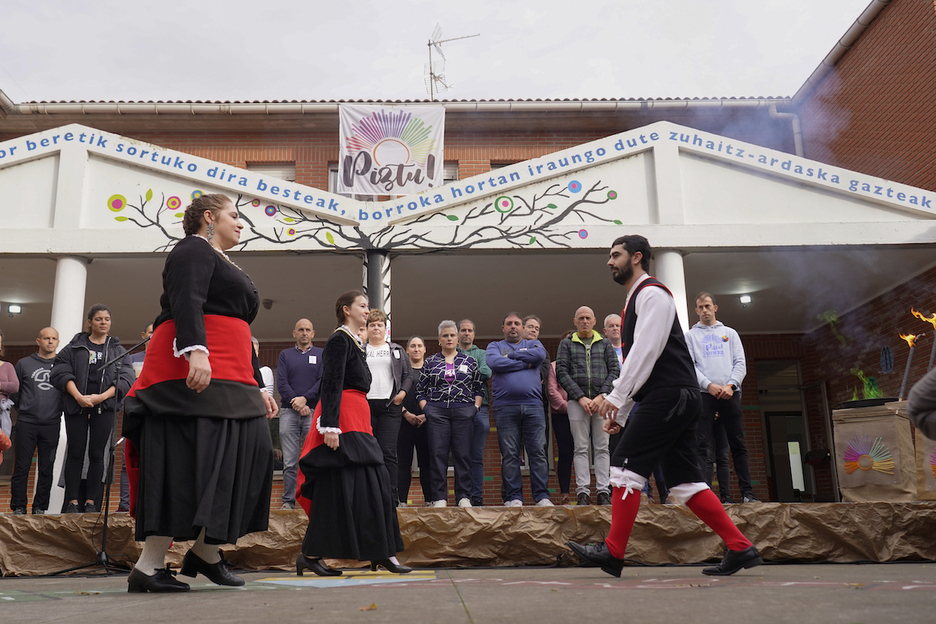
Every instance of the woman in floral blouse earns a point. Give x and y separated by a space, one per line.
450 392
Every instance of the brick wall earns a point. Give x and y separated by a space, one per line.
863 332
875 112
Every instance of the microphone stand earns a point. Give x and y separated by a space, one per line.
102 559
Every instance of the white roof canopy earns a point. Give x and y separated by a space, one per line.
76 190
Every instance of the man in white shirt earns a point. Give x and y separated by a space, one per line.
659 374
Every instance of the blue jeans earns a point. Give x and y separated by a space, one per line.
482 426
293 430
512 421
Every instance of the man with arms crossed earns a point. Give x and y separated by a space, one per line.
518 410
658 373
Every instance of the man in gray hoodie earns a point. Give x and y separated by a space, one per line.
720 368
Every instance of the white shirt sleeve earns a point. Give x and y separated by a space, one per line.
267 374
655 315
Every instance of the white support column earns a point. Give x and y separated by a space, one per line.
68 299
377 282
670 270
68 296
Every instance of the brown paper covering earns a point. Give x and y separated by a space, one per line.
926 481
495 536
888 422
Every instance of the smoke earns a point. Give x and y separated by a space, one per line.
824 117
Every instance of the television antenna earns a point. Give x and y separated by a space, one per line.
435 70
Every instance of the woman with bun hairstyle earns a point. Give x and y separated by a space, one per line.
196 417
353 512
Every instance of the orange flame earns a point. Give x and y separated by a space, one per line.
931 320
910 338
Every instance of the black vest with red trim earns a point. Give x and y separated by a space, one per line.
674 367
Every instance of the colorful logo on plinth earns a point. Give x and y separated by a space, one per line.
863 454
933 462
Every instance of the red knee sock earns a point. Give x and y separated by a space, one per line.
710 510
623 515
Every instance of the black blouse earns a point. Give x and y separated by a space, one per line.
197 280
344 367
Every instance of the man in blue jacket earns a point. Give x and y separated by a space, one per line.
518 410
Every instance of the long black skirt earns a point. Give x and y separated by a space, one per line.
211 473
353 516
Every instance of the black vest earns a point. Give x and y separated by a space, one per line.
674 367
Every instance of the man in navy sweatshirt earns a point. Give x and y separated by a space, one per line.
298 377
517 397
720 368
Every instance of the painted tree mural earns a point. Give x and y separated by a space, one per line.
550 218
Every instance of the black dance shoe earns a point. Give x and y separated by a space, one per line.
396 568
314 564
735 560
161 582
72 508
217 573
600 556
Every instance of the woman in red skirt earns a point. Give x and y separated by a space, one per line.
353 514
196 416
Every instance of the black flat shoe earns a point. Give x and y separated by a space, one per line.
735 560
600 556
161 582
392 567
314 564
217 573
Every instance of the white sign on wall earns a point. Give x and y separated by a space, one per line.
390 150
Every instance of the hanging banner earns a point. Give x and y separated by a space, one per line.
390 150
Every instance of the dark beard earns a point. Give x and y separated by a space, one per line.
624 277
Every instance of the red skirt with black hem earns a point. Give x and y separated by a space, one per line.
356 444
346 491
223 426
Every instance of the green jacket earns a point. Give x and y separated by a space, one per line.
485 370
586 367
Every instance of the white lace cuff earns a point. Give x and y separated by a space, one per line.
186 350
324 430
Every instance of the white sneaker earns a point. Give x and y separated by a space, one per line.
544 502
464 502
514 503
439 503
